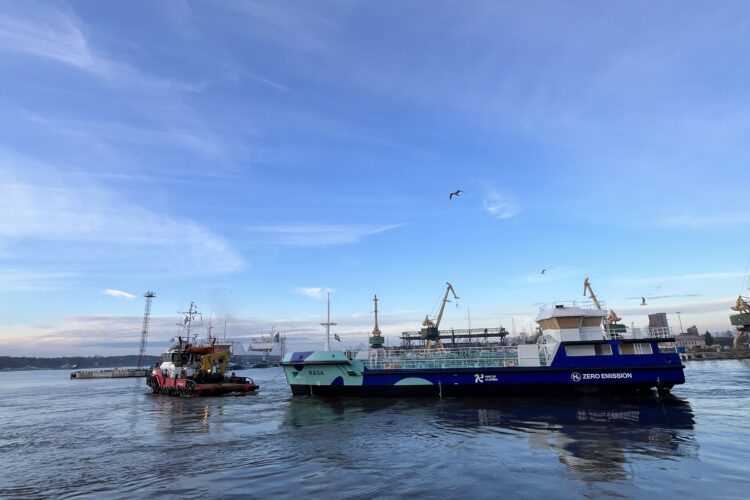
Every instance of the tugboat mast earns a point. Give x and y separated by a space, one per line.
328 325
189 315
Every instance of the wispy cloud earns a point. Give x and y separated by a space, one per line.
118 293
500 206
652 280
294 25
688 220
313 293
320 235
56 34
17 280
38 204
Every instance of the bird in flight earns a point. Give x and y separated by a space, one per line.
455 193
543 271
643 301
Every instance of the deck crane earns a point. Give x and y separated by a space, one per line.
611 322
430 330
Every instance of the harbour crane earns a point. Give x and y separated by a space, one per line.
741 320
430 330
612 318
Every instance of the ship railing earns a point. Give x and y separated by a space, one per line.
572 303
496 356
662 332
637 333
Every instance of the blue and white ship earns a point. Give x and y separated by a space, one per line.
581 350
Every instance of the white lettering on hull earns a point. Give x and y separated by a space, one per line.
577 377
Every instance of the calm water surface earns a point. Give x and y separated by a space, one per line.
112 438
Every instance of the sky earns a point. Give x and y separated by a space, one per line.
254 156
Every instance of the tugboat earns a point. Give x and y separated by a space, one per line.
581 349
192 369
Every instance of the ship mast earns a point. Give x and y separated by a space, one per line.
376 340
189 316
328 325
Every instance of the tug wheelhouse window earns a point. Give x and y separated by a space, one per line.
636 348
588 350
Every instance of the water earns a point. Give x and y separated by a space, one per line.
112 438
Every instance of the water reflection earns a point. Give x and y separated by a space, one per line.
183 415
594 438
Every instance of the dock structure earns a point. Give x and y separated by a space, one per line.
124 372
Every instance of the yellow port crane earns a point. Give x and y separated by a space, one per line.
429 331
741 320
612 317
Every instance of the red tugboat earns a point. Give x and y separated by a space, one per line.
189 369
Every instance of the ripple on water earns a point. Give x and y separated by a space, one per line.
113 438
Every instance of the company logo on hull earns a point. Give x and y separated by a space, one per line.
577 377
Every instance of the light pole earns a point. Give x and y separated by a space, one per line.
680 320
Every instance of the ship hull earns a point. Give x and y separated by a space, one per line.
333 373
488 382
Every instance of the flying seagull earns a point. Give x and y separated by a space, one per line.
336 336
543 271
455 193
643 301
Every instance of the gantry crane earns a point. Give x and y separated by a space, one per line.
430 330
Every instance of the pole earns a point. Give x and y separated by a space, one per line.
679 318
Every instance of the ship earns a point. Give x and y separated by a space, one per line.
263 351
192 368
581 349
110 373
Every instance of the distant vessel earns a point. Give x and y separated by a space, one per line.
263 350
581 350
110 373
124 372
190 368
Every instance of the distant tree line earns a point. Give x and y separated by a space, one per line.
20 363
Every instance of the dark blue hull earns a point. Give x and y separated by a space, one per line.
501 382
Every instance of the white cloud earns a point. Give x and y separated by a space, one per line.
500 206
118 293
56 34
16 280
320 235
680 277
314 293
37 204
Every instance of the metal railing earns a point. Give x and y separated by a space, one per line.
495 356
660 332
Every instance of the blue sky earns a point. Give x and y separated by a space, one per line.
251 155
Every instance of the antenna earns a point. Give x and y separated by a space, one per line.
144 330
328 325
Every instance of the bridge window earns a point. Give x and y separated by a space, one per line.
636 348
588 350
